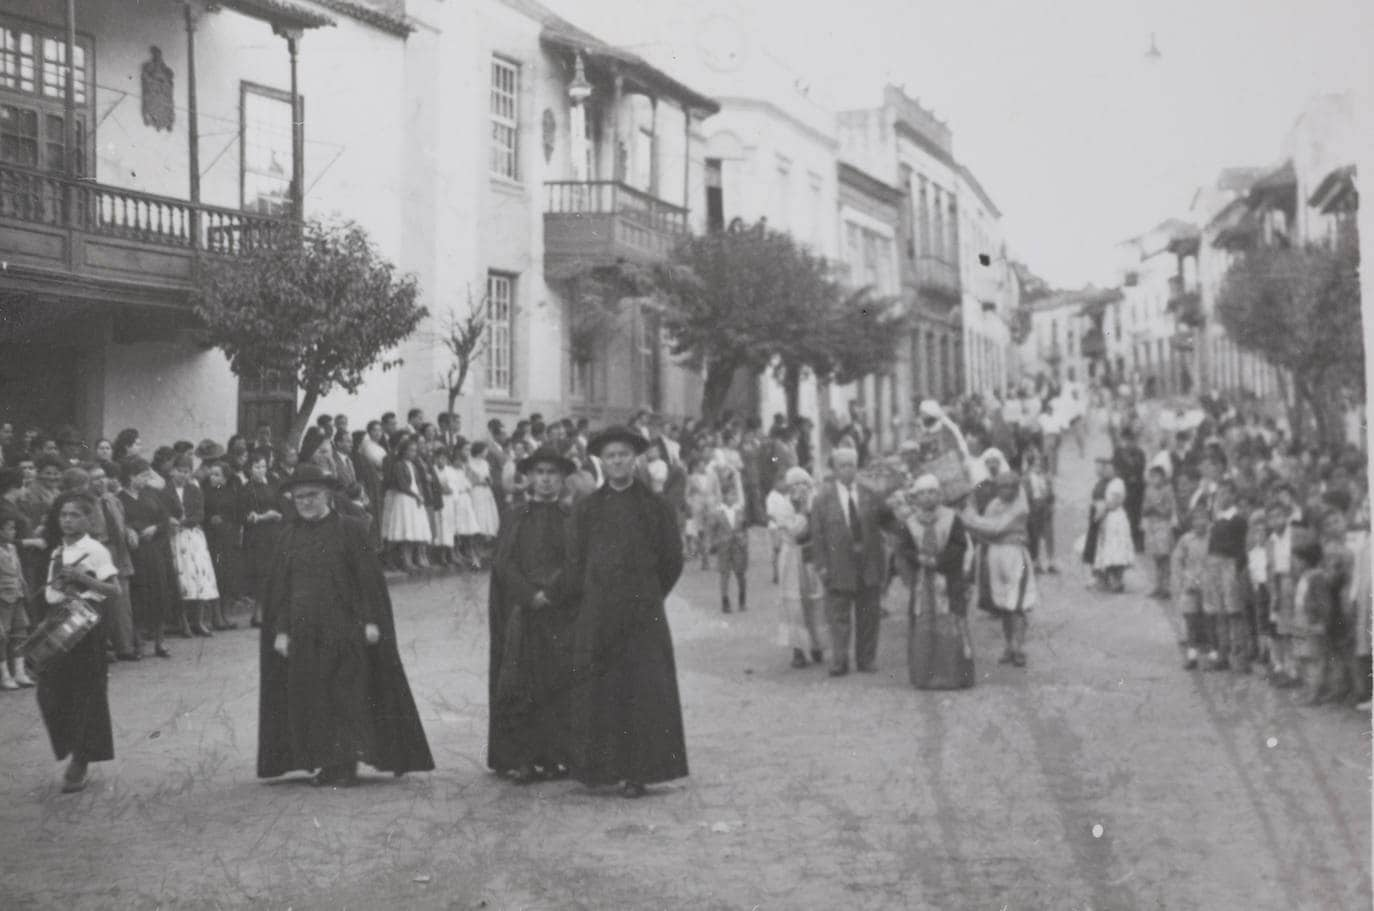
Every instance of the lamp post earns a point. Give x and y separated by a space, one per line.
579 91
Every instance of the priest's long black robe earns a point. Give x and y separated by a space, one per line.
626 557
335 699
531 647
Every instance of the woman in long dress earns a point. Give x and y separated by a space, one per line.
1115 548
405 524
1006 582
196 580
263 513
72 690
483 500
931 546
800 590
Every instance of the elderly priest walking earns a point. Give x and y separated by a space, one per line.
626 557
333 690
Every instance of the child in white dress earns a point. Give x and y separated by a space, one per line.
483 500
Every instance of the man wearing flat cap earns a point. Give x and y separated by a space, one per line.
626 558
531 618
333 690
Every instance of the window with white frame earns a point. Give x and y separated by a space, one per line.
33 81
500 338
505 118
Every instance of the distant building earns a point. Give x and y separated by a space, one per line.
774 157
956 277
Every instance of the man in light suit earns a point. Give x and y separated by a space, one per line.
847 532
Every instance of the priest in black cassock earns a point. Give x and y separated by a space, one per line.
626 557
531 617
333 690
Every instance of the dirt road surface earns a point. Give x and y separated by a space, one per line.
1101 777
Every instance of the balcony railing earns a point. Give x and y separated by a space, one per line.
603 219
79 226
937 276
1184 305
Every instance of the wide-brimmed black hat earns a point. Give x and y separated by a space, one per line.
548 456
619 434
309 473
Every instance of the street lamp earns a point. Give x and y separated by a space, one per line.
1153 55
579 91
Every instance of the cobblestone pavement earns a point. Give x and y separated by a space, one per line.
1102 777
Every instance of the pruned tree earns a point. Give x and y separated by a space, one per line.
1299 308
739 299
465 337
323 307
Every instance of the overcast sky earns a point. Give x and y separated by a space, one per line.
1079 140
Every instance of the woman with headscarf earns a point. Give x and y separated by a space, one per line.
931 545
800 594
1006 583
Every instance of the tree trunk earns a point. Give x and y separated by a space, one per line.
720 375
791 389
302 419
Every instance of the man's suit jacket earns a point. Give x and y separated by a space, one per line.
845 565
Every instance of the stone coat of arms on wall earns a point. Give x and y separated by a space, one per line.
159 111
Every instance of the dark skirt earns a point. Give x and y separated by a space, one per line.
259 550
75 704
153 588
939 652
226 553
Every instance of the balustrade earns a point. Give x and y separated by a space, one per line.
55 201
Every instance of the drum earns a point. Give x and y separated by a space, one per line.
65 625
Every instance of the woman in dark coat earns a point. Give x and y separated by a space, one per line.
333 690
262 512
626 558
1129 461
224 532
153 588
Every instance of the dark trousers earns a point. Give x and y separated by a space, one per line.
866 613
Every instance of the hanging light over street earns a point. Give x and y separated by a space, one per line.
1153 55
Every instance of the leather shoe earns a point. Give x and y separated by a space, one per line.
839 670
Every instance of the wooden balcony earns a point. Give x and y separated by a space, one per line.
1184 305
82 239
600 222
938 278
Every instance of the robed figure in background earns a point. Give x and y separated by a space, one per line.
333 690
931 546
531 616
626 557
